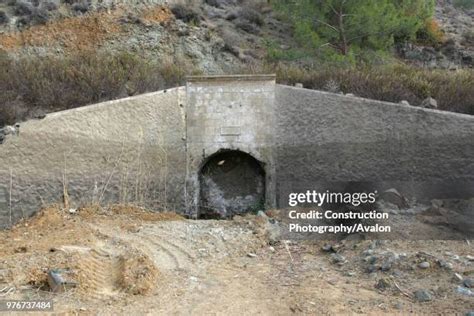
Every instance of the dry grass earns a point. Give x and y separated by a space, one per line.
157 14
47 84
74 34
393 83
138 275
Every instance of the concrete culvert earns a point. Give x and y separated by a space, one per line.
231 182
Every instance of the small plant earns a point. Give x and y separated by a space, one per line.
231 42
251 16
430 33
468 38
332 86
217 3
80 7
247 19
3 18
49 6
465 4
39 16
186 14
23 8
258 206
247 27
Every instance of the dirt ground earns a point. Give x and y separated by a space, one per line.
130 261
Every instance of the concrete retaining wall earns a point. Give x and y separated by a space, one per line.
150 149
125 150
325 140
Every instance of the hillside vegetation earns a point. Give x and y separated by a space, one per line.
61 55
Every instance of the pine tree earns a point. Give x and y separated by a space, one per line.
343 24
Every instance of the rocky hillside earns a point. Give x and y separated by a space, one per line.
215 36
97 50
457 24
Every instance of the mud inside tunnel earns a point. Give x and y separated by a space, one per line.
231 183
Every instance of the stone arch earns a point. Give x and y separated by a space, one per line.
231 182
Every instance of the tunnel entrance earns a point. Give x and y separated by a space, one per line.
231 182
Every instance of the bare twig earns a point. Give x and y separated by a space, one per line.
401 291
65 191
288 250
10 202
119 159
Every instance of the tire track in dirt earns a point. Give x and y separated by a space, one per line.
162 239
100 275
162 257
181 257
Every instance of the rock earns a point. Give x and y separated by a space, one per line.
436 203
422 296
370 259
298 85
350 95
271 248
457 277
424 265
429 103
273 230
404 102
262 214
445 264
382 284
386 266
337 258
371 268
462 290
468 283
59 281
69 249
394 212
368 252
327 248
397 274
394 197
470 258
5 275
251 255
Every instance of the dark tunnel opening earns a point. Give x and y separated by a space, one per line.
231 183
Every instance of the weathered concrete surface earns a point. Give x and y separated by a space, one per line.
324 140
126 150
151 149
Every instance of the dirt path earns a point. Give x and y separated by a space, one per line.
130 264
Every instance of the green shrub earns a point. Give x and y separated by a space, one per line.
23 8
468 38
250 15
3 18
186 14
430 33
